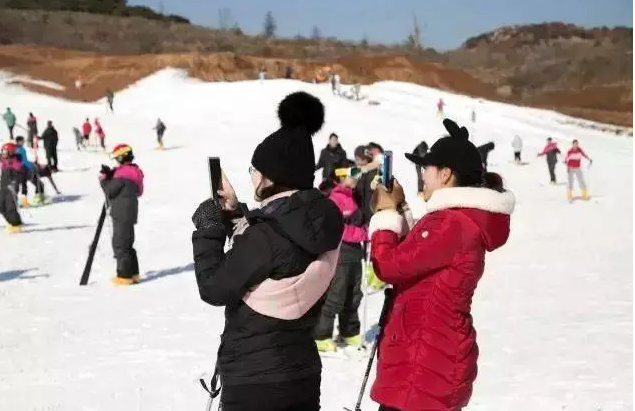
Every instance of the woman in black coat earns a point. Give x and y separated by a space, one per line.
273 280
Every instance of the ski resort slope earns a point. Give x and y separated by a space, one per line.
553 311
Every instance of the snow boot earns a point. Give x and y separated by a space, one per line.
354 341
161 147
123 281
585 195
327 345
14 229
24 202
38 199
569 195
136 278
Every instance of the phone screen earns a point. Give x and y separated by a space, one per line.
386 170
215 176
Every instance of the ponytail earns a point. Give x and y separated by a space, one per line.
493 181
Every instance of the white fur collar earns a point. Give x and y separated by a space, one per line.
472 197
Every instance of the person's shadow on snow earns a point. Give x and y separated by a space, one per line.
19 275
158 274
48 229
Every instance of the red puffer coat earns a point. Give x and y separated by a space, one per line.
427 355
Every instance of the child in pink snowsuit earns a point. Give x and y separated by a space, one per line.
344 294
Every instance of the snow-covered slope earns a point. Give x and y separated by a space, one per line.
553 311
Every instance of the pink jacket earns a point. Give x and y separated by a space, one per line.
133 173
291 298
343 198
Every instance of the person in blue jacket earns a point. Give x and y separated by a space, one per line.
27 170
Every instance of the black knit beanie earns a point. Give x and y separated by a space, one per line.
286 157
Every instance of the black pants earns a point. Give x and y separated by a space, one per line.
160 137
299 395
10 132
9 208
102 142
419 179
517 156
343 299
21 186
51 154
552 170
122 245
37 182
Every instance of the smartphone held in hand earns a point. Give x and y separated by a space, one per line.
215 175
386 170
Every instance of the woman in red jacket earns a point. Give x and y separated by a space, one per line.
428 352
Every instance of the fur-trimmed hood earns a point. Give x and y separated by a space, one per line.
490 210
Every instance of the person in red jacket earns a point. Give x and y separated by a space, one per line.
86 129
551 150
573 160
99 130
427 349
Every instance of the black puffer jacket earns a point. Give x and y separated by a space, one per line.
282 240
364 193
329 157
50 136
122 192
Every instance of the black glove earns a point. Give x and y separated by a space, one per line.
209 216
107 172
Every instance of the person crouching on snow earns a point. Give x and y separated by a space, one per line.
428 347
273 280
9 179
122 186
345 294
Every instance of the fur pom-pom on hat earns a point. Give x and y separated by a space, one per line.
286 157
301 109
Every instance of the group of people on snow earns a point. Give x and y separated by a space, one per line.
294 264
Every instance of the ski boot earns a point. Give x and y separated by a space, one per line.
24 202
14 229
38 199
585 195
161 147
326 345
569 195
354 341
123 281
136 278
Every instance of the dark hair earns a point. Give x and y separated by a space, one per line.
272 190
19 138
334 135
490 180
575 141
372 145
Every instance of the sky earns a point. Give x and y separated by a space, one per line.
446 24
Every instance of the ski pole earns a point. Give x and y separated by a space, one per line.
214 388
365 291
93 246
373 351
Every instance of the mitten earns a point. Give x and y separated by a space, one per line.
209 216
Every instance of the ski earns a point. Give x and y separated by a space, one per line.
93 247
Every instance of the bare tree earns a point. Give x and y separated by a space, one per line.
224 18
414 38
315 33
364 43
270 26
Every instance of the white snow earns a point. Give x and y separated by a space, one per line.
553 311
8 77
